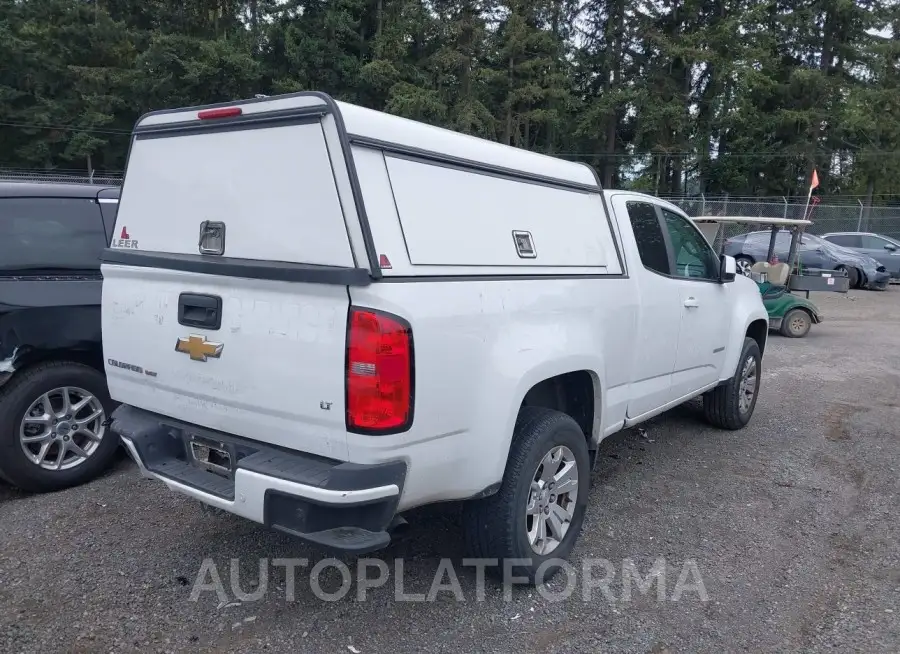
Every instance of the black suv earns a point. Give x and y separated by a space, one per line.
54 403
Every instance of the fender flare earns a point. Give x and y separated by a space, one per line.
740 327
535 374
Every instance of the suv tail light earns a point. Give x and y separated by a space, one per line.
379 375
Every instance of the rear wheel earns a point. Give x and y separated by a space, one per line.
731 405
538 512
53 431
744 263
796 323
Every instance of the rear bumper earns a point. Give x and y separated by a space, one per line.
341 506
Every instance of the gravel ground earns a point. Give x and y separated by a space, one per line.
791 524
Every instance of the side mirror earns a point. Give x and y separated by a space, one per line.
890 247
727 269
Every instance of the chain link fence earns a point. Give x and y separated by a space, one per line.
833 215
829 216
60 176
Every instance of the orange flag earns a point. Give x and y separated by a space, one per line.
815 180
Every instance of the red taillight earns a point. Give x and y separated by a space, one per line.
224 112
379 372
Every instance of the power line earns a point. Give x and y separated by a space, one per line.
65 128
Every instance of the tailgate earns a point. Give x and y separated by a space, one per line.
273 371
225 286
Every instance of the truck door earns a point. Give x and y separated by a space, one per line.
659 317
705 318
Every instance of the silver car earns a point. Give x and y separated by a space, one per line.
813 252
884 249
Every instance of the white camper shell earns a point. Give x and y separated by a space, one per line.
360 184
317 316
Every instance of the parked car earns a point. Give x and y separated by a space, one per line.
54 403
407 315
883 249
813 252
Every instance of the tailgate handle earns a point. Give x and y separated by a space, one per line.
196 310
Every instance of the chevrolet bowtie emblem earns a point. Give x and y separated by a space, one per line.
198 348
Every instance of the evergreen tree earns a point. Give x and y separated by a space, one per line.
672 96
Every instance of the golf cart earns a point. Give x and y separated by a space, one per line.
780 282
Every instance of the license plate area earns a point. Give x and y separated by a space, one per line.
211 455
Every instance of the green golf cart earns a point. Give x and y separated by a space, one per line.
780 282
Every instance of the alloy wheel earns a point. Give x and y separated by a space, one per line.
552 500
747 389
743 266
62 428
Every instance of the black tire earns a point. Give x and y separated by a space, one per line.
743 261
495 527
722 406
853 274
15 399
796 323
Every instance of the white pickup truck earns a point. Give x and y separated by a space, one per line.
319 316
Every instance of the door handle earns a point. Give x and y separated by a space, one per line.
203 311
691 303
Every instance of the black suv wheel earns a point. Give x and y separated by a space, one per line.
53 427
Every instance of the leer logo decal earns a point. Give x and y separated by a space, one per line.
124 240
198 348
